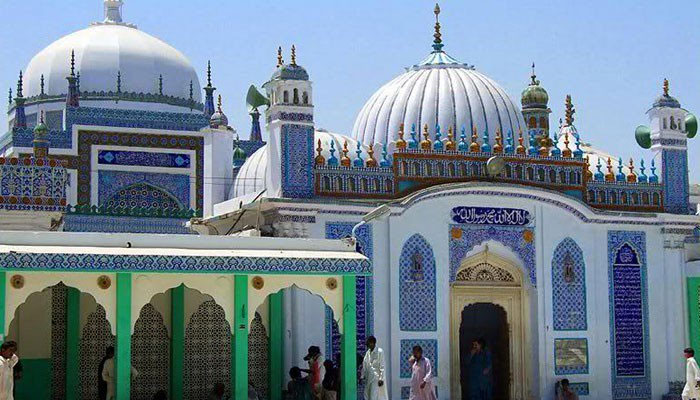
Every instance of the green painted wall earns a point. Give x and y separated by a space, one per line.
36 380
694 312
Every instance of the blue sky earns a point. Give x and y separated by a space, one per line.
611 56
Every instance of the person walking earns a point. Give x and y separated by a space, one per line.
373 370
692 376
421 377
8 360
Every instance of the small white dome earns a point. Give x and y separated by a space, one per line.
441 91
102 51
251 176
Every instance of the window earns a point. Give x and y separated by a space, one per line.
509 171
286 97
635 198
655 199
428 169
519 172
365 185
624 197
305 98
326 183
475 169
645 199
296 96
601 196
532 123
441 169
530 174
451 170
416 168
404 168
351 185
562 176
613 197
540 174
388 185
591 196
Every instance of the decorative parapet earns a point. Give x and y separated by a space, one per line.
149 212
625 196
370 182
115 96
35 184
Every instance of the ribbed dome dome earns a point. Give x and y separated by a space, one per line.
105 49
441 91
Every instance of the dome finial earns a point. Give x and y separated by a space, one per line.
20 84
294 55
113 11
209 73
280 61
665 87
570 111
534 76
218 104
437 41
72 63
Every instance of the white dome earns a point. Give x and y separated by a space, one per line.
103 50
251 176
441 91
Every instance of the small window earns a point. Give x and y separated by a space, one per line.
519 172
286 97
532 123
296 96
351 185
530 174
326 183
463 169
388 185
562 176
623 197
591 196
338 183
509 171
613 197
428 169
635 198
404 168
552 176
416 168
475 169
601 197
441 169
451 169
540 174
645 199
305 98
365 185
544 124
572 178
655 199
376 186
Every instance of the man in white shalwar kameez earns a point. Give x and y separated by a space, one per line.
373 368
692 376
109 376
8 360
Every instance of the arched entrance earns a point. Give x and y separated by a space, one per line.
488 302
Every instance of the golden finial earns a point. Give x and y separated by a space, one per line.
533 76
544 146
280 61
609 176
631 177
371 162
570 111
567 151
401 143
450 145
426 144
474 145
497 146
218 105
320 160
437 42
665 87
587 169
520 149
294 55
345 160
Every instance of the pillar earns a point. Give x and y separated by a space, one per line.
122 365
177 341
73 344
276 346
240 338
348 347
3 291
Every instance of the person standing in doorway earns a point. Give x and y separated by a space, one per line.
373 369
101 383
692 376
315 364
8 361
479 363
109 376
421 377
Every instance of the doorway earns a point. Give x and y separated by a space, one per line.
488 323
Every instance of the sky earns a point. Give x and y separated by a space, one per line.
611 56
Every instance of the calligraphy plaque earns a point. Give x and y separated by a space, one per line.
490 216
570 356
628 313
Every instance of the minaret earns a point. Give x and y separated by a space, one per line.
73 95
669 141
40 142
255 131
20 117
534 100
290 126
209 91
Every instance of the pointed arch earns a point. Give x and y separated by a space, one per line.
569 287
144 195
417 299
150 349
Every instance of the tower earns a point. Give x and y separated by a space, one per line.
535 111
669 141
290 126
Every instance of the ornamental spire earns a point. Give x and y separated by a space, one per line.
437 41
209 73
72 63
294 55
665 87
570 111
280 60
20 84
534 76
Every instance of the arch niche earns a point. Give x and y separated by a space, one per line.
488 299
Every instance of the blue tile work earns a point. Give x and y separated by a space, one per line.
519 239
112 183
569 288
297 143
168 263
112 224
629 315
580 388
575 352
142 158
675 180
417 297
32 184
430 351
333 336
364 291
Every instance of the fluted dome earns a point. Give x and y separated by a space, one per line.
441 91
105 49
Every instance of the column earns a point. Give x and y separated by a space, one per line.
240 337
3 292
348 350
177 341
73 344
122 365
276 346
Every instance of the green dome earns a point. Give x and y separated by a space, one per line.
534 96
239 153
41 130
643 136
691 125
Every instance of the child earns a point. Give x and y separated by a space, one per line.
299 388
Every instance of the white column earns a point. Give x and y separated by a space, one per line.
676 310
